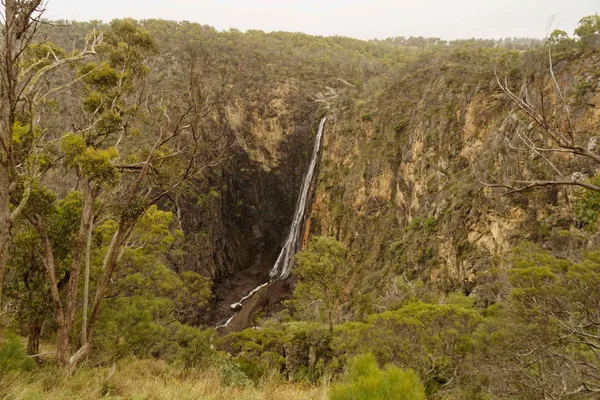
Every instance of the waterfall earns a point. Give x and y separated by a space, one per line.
256 289
282 267
226 323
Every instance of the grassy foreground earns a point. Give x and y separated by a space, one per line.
148 380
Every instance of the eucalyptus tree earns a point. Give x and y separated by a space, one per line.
25 69
322 271
128 148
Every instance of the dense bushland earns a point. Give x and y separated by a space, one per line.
112 147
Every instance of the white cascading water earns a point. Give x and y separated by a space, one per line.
283 266
256 289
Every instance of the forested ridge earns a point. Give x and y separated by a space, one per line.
149 172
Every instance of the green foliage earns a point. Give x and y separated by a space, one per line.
153 231
28 290
97 166
24 135
588 31
42 201
94 163
13 360
416 247
40 55
101 77
588 26
196 347
548 319
587 206
147 318
92 102
128 42
308 351
73 146
131 325
193 297
367 117
365 381
322 272
321 259
231 372
557 36
428 224
432 339
563 47
300 349
259 350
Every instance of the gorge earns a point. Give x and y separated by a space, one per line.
283 265
280 210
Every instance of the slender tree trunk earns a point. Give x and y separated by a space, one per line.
7 100
63 345
79 251
65 329
65 320
86 286
111 259
62 341
5 223
35 330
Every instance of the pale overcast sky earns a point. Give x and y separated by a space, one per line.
365 19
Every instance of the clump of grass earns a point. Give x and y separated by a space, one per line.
153 380
13 361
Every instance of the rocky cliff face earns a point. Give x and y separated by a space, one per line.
399 177
236 218
399 183
409 134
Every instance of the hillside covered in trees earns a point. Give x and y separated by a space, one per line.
150 171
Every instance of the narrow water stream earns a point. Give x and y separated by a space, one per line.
285 261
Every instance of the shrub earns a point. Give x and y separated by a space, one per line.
194 346
364 380
367 117
257 351
430 339
587 206
13 360
231 372
582 89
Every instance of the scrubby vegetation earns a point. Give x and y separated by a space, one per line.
542 326
366 381
448 254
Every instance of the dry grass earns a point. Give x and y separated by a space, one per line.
150 380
